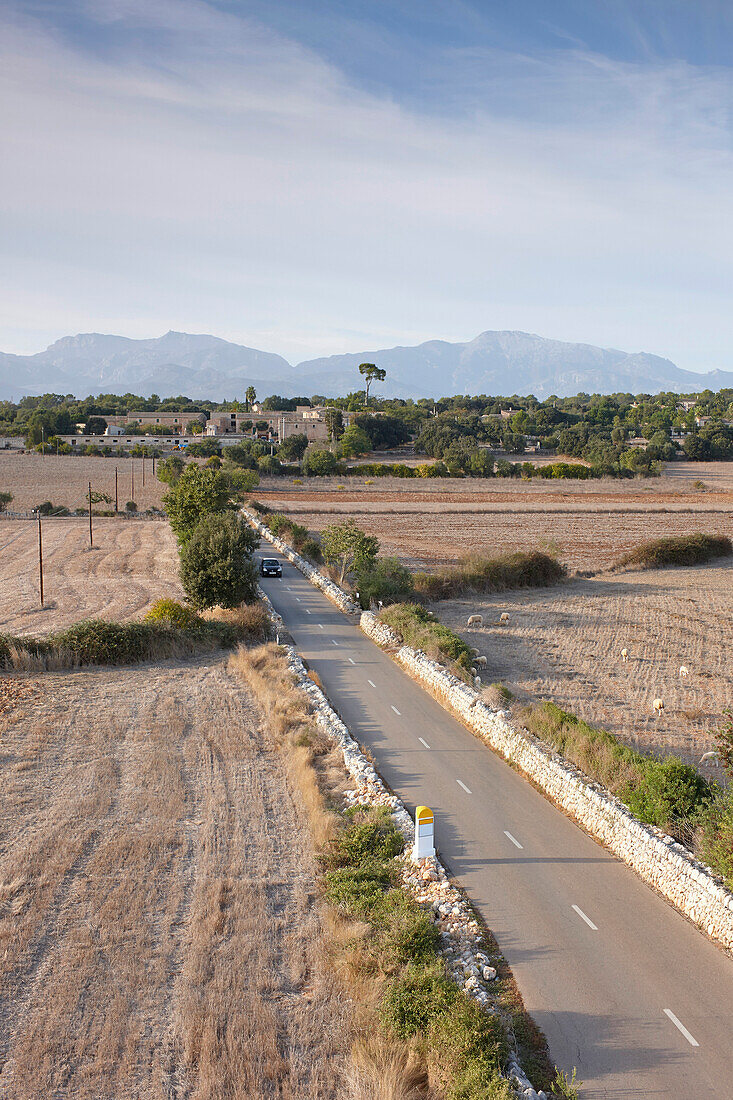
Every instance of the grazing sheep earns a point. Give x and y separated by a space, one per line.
477 682
684 672
480 661
475 651
504 617
473 670
658 706
709 758
625 656
475 620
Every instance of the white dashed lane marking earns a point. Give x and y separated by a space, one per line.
460 784
352 660
396 711
513 839
587 920
681 1027
372 683
423 742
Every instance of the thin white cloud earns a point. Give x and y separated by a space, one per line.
193 170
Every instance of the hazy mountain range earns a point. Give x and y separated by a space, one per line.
206 367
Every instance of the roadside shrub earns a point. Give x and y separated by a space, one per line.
416 1000
131 506
172 613
669 790
250 620
479 572
370 835
682 550
197 493
420 629
216 562
49 509
387 580
716 835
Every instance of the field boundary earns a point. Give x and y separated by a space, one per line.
662 862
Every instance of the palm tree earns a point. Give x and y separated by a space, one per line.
249 395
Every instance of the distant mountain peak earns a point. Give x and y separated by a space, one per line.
502 362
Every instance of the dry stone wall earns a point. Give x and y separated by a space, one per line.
657 858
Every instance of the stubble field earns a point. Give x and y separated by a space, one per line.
64 480
132 564
158 934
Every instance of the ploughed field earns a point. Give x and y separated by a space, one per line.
589 524
64 480
158 935
133 563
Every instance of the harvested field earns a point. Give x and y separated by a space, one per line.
158 936
565 643
589 524
34 478
133 563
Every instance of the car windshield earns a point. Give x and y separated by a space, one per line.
269 562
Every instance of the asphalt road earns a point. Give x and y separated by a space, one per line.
623 986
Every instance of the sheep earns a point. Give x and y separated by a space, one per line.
504 617
684 672
473 670
625 655
480 661
475 620
477 682
658 706
475 651
710 758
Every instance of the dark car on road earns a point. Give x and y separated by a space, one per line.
270 567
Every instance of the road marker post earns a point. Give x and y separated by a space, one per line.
424 846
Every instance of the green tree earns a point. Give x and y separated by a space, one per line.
194 427
334 423
318 462
371 373
355 441
349 548
293 448
169 471
198 492
216 562
95 425
250 395
5 500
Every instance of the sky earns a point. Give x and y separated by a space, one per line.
319 176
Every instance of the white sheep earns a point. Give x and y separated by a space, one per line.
625 656
475 651
477 682
504 617
480 661
473 670
475 620
658 706
709 758
684 672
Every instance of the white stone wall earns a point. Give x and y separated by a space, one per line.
662 862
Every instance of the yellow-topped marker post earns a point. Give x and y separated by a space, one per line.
424 846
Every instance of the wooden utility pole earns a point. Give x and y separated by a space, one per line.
132 481
116 503
91 539
143 470
40 557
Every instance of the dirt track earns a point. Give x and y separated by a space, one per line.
133 563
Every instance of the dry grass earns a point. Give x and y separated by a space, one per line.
564 644
158 936
33 478
132 564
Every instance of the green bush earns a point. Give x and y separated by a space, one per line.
670 790
216 562
172 613
197 493
420 629
419 997
359 891
371 834
683 550
716 840
387 580
480 572
318 462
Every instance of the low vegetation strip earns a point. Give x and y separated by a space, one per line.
480 572
692 549
427 1037
170 630
418 628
